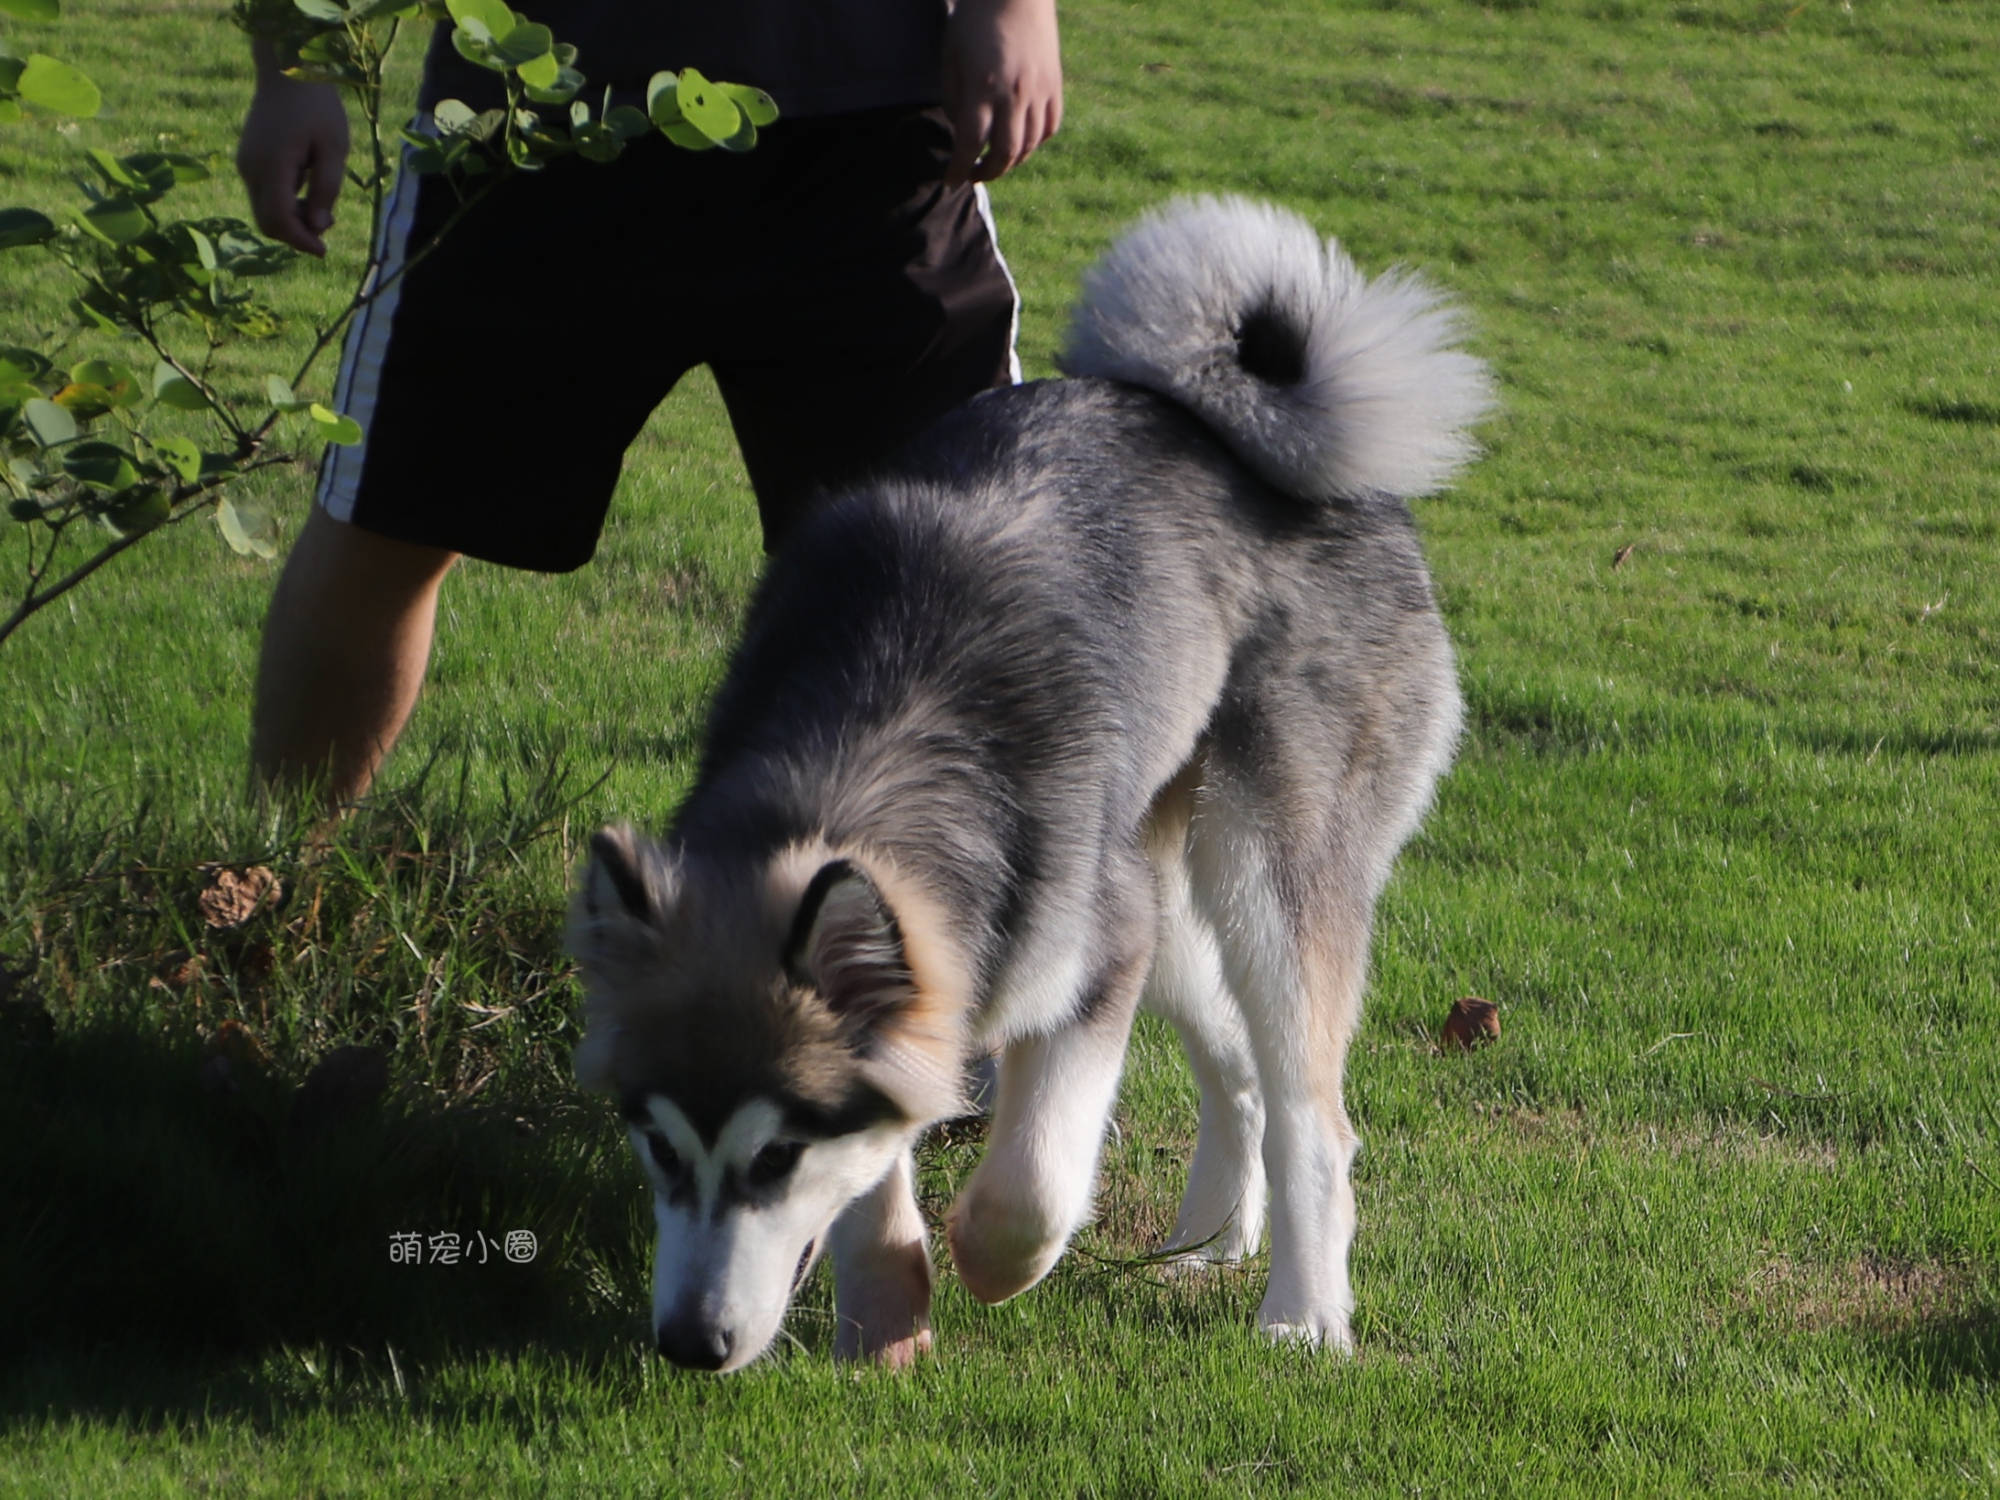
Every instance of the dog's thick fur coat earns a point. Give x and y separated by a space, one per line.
1126 685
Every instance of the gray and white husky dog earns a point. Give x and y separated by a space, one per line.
1115 690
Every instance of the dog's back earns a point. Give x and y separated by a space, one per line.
990 661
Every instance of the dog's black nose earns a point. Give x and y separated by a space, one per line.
693 1344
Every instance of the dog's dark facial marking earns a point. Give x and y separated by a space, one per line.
862 1107
675 1172
763 1180
1270 348
612 859
773 1164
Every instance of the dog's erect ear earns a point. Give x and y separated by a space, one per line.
846 945
615 880
630 886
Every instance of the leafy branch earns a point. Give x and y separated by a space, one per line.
94 449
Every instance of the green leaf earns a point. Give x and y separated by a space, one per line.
31 10
662 107
173 389
162 168
113 169
23 226
322 10
116 221
539 72
97 386
85 309
57 86
181 455
333 427
494 15
687 137
15 388
757 106
524 44
328 58
282 396
204 247
49 423
248 531
706 107
627 123
424 157
596 143
453 117
24 364
141 511
474 48
84 402
103 466
568 82
117 381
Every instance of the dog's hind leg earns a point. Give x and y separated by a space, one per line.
882 1273
1296 957
1033 1187
1222 1212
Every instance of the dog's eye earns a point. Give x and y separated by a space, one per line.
665 1157
774 1163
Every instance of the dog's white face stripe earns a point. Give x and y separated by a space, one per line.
755 1125
733 1242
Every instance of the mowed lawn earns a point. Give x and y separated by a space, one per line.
1718 1213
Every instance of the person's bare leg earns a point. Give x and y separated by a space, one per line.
345 647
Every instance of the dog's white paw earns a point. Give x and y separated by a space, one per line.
1329 1333
884 1307
1000 1248
1228 1249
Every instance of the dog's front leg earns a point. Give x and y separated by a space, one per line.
882 1273
1033 1187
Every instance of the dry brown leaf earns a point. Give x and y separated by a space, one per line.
1473 1022
179 970
237 1042
1618 561
233 1052
232 897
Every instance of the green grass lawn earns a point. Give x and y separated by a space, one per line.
1719 1213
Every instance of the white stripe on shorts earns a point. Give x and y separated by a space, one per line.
367 344
1014 327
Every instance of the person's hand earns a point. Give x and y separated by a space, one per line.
1002 85
295 137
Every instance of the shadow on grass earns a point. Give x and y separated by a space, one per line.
1541 721
1947 1350
158 1221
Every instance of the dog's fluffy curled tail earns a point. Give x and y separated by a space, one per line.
1330 386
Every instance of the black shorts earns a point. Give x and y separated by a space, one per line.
843 297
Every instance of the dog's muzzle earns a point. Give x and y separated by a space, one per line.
693 1344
